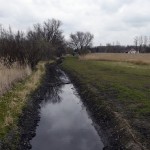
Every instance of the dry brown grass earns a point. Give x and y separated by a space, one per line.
8 76
12 102
134 58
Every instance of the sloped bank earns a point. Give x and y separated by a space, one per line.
18 138
114 129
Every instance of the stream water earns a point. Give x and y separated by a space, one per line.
65 123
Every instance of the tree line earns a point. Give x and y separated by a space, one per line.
46 41
43 42
141 45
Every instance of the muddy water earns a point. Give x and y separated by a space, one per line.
65 123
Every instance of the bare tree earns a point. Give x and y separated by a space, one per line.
42 42
81 41
136 39
141 43
145 41
52 30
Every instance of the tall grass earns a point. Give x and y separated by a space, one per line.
134 58
8 76
13 101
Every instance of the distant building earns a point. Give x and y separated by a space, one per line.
132 51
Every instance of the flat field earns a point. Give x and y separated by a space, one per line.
123 57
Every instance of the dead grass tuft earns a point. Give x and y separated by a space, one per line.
8 120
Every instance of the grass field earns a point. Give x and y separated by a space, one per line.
13 101
124 87
134 58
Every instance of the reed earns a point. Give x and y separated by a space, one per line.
10 75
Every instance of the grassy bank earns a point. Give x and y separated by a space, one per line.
123 87
13 101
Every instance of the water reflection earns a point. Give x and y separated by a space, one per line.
52 95
55 88
65 124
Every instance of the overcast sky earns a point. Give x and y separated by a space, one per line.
108 20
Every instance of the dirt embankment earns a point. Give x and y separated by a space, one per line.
115 131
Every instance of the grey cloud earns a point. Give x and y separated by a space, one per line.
138 20
113 6
106 19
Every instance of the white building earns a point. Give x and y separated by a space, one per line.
133 51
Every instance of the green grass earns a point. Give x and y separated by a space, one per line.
112 88
125 86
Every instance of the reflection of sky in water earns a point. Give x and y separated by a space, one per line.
65 125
